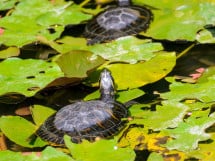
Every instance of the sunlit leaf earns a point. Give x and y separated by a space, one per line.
189 133
127 49
104 150
203 90
43 19
179 20
206 151
121 96
206 36
136 75
77 63
9 52
170 114
26 76
7 4
49 154
41 113
18 130
155 156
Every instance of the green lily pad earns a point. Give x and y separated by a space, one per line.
121 96
203 90
127 49
206 36
7 4
9 52
104 150
49 154
189 133
169 115
44 18
179 20
19 130
16 75
41 113
77 63
136 75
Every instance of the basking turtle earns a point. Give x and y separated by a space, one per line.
122 20
86 119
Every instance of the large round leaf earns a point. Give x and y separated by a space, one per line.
26 76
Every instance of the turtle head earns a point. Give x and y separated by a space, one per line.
106 86
123 2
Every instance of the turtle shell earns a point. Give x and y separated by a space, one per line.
84 120
116 22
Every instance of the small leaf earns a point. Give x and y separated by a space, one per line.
52 154
203 90
77 63
155 156
188 134
9 52
104 150
121 96
18 130
127 49
41 113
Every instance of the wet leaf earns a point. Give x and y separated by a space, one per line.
16 75
206 151
169 115
9 52
179 20
189 133
206 36
203 90
121 96
151 71
43 19
7 4
77 63
18 130
155 156
104 150
41 113
127 49
49 154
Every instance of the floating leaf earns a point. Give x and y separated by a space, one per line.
189 133
122 96
104 150
179 20
137 75
203 90
127 49
169 115
7 4
9 52
49 154
206 36
77 63
43 19
155 156
206 151
16 75
18 130
41 113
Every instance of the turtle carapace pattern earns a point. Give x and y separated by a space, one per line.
87 119
117 21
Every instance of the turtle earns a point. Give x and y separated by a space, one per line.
101 118
117 21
